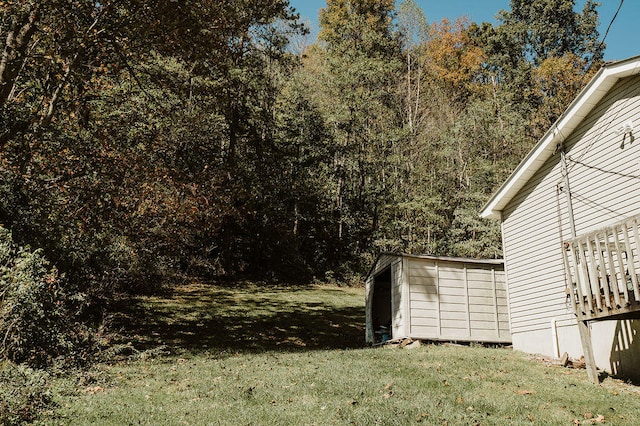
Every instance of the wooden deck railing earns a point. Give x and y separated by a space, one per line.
603 271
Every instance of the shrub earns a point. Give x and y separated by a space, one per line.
24 393
35 324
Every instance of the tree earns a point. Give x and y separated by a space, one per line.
454 61
122 124
414 31
360 63
551 28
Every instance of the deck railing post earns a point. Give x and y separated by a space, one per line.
576 269
613 277
621 270
593 274
585 272
631 268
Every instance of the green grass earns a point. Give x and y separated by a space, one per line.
260 355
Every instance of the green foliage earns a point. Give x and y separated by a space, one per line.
139 139
551 28
35 323
24 394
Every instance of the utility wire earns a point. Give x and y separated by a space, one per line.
611 23
603 125
606 122
606 33
611 172
597 206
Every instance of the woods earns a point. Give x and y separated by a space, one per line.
145 140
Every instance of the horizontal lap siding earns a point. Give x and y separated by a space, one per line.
605 182
533 253
449 303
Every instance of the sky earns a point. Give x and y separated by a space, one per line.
623 39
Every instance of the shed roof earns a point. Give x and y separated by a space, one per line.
466 260
586 100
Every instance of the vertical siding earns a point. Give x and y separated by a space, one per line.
424 298
604 173
397 312
458 301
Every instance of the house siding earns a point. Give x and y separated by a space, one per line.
604 174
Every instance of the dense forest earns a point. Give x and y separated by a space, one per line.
142 140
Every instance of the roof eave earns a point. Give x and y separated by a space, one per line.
586 100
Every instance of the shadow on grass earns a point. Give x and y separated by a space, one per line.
245 318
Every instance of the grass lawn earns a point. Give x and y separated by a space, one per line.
263 355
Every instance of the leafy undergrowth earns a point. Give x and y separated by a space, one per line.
255 355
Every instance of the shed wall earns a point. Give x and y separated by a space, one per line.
398 311
383 262
457 301
604 174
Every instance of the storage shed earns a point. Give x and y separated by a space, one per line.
436 298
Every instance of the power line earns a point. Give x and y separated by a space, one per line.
611 23
605 123
589 166
606 33
597 206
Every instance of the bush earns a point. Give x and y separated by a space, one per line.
24 394
35 323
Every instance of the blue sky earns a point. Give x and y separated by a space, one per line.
623 40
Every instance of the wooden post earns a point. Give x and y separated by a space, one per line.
583 326
585 339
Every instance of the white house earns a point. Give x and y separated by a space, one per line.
569 217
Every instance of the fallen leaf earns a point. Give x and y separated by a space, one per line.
459 400
525 392
587 416
94 390
600 418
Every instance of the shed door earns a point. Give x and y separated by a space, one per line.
381 306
